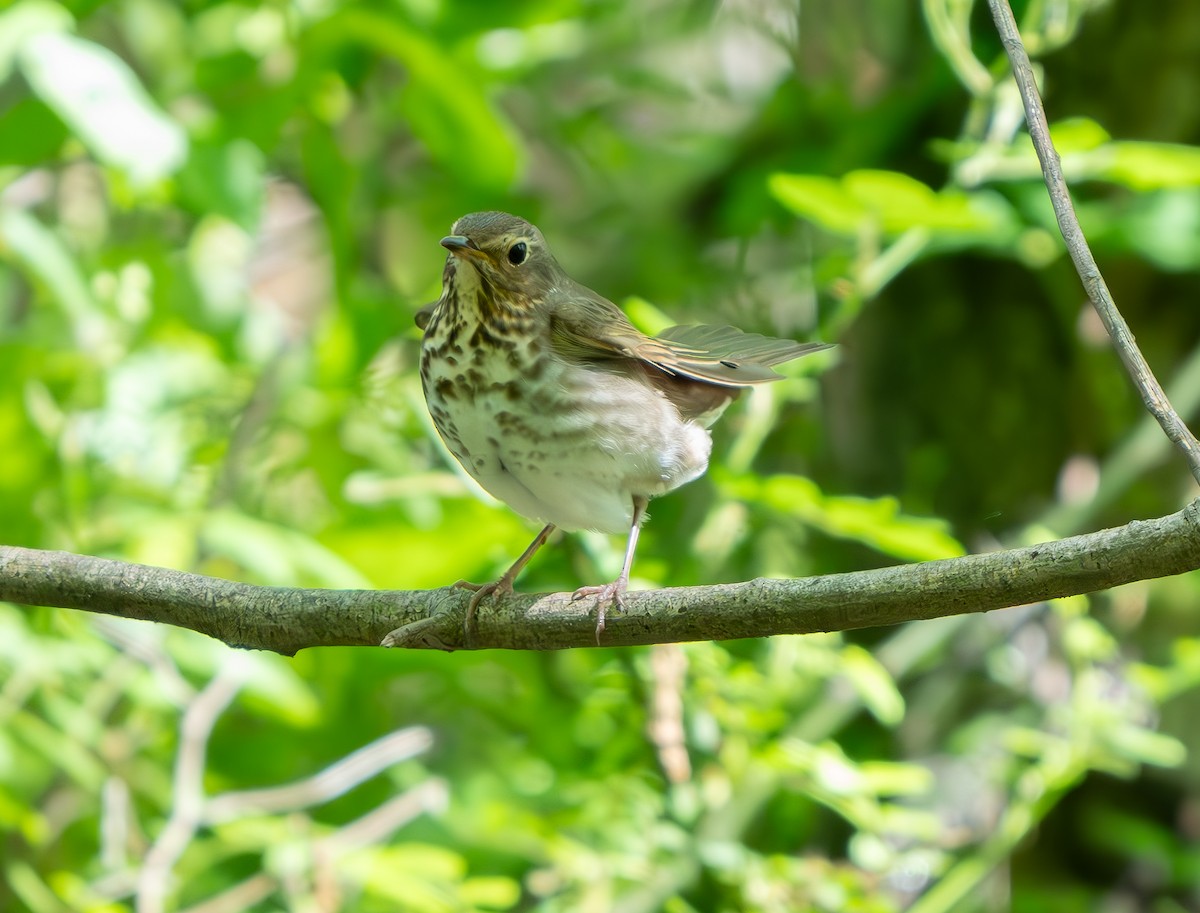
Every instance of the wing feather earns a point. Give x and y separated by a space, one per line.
586 326
726 355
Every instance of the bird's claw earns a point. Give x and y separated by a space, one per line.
606 594
481 591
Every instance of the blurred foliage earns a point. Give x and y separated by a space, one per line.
216 222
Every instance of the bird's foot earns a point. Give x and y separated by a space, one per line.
503 586
608 594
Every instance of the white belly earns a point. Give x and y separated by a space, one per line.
574 448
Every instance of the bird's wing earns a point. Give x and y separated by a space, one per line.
726 355
422 317
586 326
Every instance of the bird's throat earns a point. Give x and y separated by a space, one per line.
470 295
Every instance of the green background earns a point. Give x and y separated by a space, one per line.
216 223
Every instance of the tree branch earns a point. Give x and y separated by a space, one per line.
1081 255
286 620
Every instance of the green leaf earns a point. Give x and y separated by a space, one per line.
101 100
1075 134
894 203
1032 743
1086 640
877 522
893 196
873 684
1088 152
821 199
492 893
445 108
414 876
1152 166
893 778
1146 746
30 889
1164 227
228 179
834 772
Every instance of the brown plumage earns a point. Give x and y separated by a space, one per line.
556 404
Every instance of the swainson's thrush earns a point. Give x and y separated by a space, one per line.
552 400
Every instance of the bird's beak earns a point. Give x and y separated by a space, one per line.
462 246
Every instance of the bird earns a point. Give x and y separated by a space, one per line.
553 401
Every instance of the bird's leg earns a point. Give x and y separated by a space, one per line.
614 592
504 585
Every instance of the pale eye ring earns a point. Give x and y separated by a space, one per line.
517 253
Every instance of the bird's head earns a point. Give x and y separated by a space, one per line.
502 254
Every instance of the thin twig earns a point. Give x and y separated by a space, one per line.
338 778
428 797
188 786
665 726
242 896
191 810
1085 264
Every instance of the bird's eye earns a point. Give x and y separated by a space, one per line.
516 253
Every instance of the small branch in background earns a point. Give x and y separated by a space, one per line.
668 666
430 796
329 783
242 896
374 827
187 803
192 810
1085 264
116 810
951 38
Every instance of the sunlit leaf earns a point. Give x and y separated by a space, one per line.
901 202
888 778
1075 134
1151 166
893 203
29 887
822 199
494 893
877 522
415 876
100 98
1085 639
1147 746
873 684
